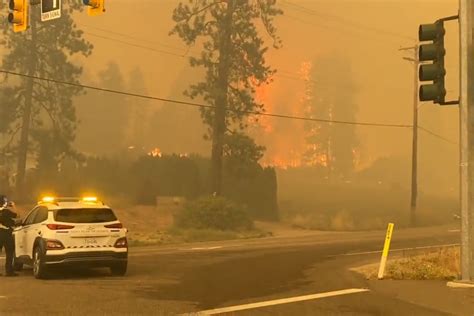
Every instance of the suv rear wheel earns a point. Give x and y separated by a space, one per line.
119 269
39 268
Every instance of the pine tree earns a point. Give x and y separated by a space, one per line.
35 106
233 51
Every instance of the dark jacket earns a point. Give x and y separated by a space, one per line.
7 218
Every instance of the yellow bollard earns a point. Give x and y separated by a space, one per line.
386 247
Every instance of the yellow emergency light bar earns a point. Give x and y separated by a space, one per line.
52 199
89 199
48 199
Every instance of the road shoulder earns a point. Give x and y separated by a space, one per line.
433 294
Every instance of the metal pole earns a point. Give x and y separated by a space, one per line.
414 160
465 117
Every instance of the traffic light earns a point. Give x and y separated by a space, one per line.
95 7
433 52
19 15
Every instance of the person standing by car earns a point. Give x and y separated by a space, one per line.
7 222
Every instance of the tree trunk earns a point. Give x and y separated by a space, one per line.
219 124
26 120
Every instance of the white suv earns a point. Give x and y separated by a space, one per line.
71 231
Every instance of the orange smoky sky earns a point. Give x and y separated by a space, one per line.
366 33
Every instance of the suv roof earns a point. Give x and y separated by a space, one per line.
71 203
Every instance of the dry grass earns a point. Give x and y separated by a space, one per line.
442 264
437 265
175 235
339 221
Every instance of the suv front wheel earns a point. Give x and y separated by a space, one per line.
39 267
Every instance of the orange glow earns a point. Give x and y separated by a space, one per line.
262 97
156 152
284 140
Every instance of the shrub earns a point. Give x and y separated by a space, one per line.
342 220
214 213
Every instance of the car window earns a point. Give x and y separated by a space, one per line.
86 215
30 218
41 215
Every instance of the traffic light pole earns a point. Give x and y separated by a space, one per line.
414 160
414 169
466 119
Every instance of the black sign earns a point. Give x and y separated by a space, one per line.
50 9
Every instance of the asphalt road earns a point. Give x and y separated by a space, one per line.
200 277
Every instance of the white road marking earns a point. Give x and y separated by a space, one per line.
460 285
2 297
278 302
207 248
144 252
395 250
454 231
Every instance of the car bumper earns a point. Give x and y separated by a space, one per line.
89 258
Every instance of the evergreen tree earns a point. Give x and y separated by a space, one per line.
233 52
45 50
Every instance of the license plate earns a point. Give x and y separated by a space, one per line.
90 241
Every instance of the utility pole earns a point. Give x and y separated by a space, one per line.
26 117
466 120
414 159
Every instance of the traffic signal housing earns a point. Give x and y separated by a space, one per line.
95 7
19 15
433 52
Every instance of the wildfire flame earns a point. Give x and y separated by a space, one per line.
284 139
155 152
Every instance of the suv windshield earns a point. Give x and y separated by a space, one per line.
86 215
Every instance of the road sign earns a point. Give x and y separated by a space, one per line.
50 10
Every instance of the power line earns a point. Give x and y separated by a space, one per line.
199 105
177 55
359 35
437 136
301 118
185 53
133 37
346 21
170 53
289 75
136 45
332 29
